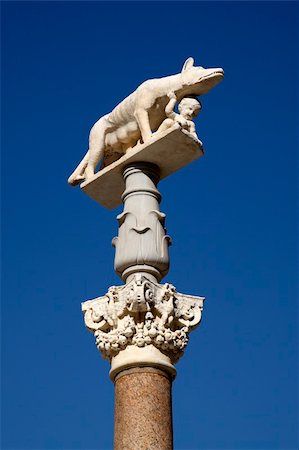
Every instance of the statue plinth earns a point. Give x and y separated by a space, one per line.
170 150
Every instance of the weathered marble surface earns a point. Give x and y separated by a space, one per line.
141 114
143 414
170 150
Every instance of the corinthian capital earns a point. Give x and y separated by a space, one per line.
142 313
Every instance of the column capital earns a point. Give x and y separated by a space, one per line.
142 323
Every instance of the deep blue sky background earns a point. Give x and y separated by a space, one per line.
231 215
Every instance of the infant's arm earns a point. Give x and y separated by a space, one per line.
169 109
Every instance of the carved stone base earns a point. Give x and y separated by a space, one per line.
142 323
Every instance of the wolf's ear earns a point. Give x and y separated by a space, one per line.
188 64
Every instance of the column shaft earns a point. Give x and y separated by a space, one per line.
143 412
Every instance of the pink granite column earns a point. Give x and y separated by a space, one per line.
143 412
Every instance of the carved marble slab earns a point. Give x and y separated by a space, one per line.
169 150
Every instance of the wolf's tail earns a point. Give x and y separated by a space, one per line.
78 174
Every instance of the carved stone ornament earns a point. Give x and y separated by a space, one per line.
142 313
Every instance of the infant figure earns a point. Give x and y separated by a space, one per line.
189 107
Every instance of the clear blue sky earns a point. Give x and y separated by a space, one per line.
231 215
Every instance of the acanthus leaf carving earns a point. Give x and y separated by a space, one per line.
142 313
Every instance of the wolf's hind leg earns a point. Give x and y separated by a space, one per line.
95 156
78 174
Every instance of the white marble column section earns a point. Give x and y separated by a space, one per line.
142 243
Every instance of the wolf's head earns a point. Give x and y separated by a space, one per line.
197 80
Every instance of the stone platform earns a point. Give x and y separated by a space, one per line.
169 150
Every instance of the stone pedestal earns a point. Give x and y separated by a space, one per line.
143 415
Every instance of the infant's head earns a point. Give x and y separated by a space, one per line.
189 107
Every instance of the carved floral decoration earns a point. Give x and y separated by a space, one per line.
142 313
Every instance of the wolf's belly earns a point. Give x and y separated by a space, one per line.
123 137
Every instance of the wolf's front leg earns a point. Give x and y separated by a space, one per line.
95 155
141 116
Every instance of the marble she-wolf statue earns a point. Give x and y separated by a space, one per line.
140 114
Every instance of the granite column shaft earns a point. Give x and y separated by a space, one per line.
143 411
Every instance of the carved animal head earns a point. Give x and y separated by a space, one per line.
139 296
197 80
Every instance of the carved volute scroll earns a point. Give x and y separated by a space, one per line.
143 313
142 242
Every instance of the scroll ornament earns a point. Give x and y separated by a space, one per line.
143 313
